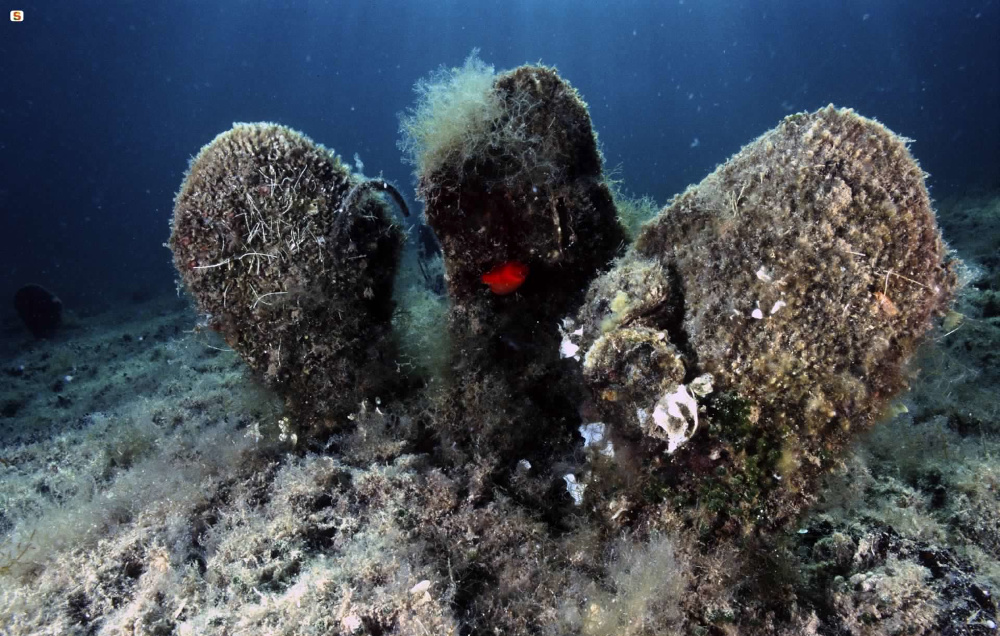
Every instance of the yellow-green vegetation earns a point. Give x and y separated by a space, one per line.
11 554
634 211
648 581
898 597
421 317
421 326
905 532
151 453
452 120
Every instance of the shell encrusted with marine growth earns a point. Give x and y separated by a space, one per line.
299 286
792 284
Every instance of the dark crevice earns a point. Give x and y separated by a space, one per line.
674 321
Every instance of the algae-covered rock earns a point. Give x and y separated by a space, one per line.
291 268
796 280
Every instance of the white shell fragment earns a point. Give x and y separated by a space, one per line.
757 313
351 623
702 385
574 488
568 348
421 590
678 426
777 305
763 275
595 436
642 415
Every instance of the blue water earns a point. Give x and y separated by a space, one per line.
103 103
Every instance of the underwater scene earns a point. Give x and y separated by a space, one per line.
537 317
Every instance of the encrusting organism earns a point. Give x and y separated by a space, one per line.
506 278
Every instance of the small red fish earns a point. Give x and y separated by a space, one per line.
506 277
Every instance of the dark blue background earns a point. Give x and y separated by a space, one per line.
104 103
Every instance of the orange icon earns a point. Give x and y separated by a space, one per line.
17 16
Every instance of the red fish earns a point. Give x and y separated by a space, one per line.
506 277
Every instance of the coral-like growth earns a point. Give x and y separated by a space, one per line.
295 273
799 276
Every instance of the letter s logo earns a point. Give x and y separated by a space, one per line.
17 16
